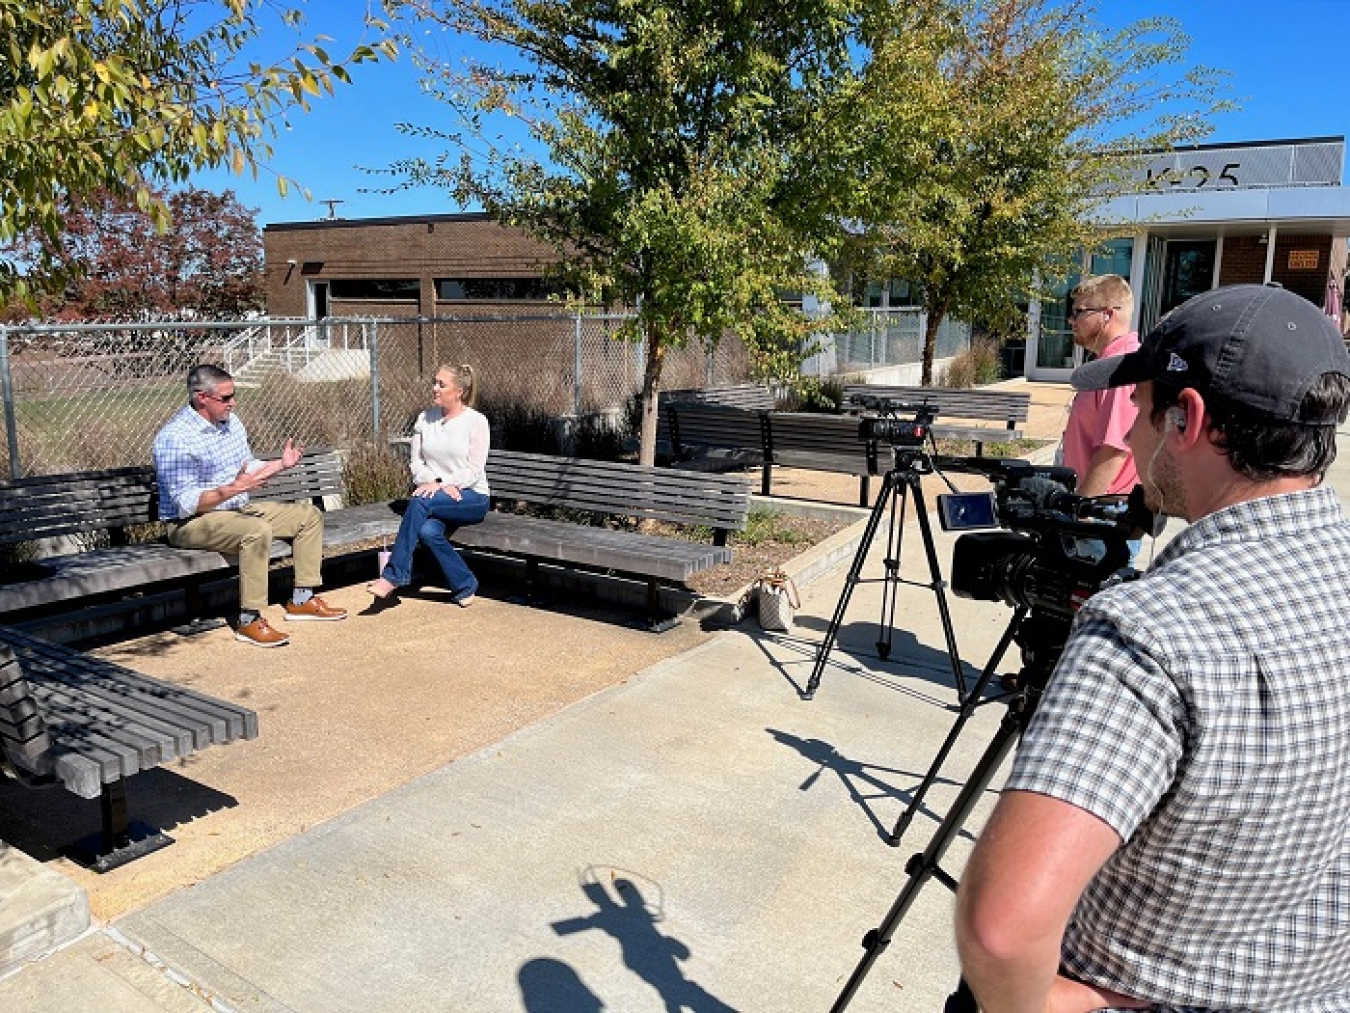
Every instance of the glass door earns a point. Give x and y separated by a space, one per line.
1189 270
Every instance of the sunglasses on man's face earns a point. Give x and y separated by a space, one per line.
222 398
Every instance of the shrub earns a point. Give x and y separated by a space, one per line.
978 365
813 394
763 526
522 427
374 474
600 437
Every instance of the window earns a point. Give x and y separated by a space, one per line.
893 293
375 289
519 289
1115 258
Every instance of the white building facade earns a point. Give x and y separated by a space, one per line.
1266 211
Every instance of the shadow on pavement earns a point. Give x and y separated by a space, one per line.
648 952
43 823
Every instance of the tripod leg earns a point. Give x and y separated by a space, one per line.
850 583
967 709
890 588
940 591
923 867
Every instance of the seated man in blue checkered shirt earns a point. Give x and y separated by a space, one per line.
205 471
1175 833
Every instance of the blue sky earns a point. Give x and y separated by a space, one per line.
1286 59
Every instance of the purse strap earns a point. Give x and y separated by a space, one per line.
779 578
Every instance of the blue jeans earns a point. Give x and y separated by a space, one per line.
431 520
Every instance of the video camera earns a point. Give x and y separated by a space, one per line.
1057 549
889 427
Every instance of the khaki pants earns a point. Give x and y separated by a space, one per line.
248 533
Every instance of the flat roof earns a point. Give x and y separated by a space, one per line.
341 223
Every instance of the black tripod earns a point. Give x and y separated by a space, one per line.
1041 634
903 481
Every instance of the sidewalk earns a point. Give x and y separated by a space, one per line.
695 837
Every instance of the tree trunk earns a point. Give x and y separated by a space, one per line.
930 332
651 386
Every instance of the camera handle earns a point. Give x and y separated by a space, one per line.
1042 641
901 483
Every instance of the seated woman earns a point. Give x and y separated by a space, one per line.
449 462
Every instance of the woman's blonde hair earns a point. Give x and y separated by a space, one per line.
467 380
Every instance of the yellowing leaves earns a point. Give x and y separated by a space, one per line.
109 94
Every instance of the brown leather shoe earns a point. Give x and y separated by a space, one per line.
314 609
260 634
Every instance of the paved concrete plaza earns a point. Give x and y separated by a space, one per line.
688 835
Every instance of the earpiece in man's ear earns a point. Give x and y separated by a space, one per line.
1177 417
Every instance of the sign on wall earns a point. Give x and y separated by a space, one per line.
1243 166
1303 260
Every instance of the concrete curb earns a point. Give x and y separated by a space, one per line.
40 910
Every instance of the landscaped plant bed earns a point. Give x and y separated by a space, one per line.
769 541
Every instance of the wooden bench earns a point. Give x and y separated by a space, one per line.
696 429
604 492
1011 408
820 442
752 396
86 725
748 396
766 439
109 505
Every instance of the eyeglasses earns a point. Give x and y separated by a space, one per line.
222 398
1091 309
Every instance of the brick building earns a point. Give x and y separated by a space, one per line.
423 265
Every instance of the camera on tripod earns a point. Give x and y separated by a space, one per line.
1056 548
889 426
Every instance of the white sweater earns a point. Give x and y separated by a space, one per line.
452 450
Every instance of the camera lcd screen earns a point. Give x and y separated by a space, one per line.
965 511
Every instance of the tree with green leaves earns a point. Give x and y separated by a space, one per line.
681 157
994 132
126 96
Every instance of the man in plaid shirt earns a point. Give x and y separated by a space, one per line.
205 472
1175 833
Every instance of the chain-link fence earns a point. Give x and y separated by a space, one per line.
84 396
895 338
93 395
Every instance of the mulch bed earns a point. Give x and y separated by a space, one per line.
749 561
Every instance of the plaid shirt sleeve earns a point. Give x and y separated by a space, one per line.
191 457
1109 732
1201 713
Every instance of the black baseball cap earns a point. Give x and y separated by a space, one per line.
1256 345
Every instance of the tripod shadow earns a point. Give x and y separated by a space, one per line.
857 778
647 952
855 653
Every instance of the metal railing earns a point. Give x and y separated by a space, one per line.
893 337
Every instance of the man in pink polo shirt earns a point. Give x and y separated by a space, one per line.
1094 439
